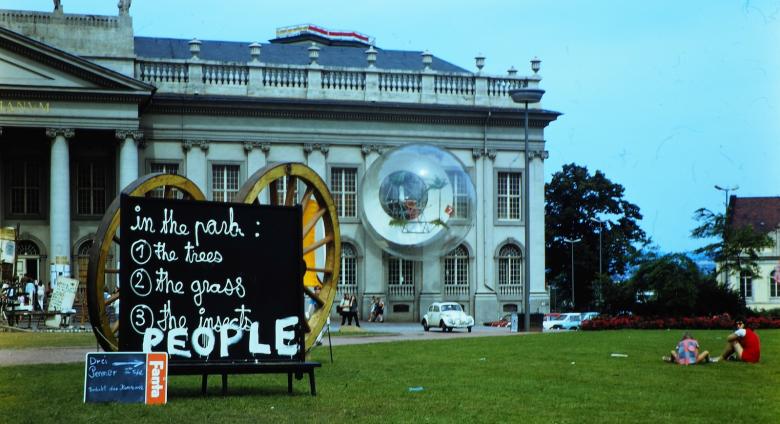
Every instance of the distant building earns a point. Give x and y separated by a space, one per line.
86 107
763 214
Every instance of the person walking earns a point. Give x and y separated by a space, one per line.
353 310
344 310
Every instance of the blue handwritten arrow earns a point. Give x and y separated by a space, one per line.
135 363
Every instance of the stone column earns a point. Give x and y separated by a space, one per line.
540 299
196 162
373 266
59 202
128 156
256 155
485 297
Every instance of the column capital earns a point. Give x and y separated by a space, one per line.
368 148
187 145
264 147
309 147
541 154
136 135
63 132
478 152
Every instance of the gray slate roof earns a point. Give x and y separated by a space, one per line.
286 54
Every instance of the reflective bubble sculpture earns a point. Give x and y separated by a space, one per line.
417 201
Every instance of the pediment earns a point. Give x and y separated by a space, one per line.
29 65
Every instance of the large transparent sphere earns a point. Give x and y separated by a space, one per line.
417 201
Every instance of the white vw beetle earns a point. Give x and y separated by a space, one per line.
447 315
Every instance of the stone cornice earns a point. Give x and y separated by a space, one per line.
74 95
345 110
63 132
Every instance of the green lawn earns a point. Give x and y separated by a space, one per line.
23 340
541 378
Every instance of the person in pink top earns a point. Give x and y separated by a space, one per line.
688 352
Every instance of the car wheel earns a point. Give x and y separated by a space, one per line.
449 329
574 329
442 326
425 325
469 329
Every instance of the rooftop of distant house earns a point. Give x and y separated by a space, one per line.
763 213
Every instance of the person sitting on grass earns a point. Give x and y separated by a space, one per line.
742 345
687 352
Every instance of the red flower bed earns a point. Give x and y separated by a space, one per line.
724 322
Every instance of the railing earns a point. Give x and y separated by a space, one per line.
316 82
510 290
343 80
454 84
157 72
225 74
456 291
397 291
343 289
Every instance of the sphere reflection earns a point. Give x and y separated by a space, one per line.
417 201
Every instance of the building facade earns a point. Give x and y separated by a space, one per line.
87 107
761 292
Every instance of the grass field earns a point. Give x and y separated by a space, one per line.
23 340
541 378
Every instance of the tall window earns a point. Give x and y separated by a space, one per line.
92 187
400 271
165 168
348 275
460 195
24 184
224 182
745 286
774 283
456 267
510 262
508 196
343 185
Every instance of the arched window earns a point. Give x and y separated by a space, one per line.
82 261
28 259
510 271
746 286
456 271
774 283
348 275
27 248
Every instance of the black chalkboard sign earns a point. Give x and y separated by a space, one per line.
115 377
210 281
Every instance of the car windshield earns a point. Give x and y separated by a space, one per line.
450 308
552 317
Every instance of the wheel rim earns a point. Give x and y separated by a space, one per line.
170 186
277 185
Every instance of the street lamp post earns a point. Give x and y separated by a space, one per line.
571 242
527 95
601 230
726 190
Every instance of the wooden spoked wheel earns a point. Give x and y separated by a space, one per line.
107 241
296 184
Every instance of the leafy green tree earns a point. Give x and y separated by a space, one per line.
736 249
668 285
573 197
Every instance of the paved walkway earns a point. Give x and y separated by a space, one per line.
396 332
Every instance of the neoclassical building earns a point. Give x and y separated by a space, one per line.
763 214
86 107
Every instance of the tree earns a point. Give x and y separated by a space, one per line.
668 286
736 249
573 197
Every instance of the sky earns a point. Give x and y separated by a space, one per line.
668 98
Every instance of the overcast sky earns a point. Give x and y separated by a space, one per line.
666 97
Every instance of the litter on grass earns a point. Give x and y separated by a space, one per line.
416 389
619 355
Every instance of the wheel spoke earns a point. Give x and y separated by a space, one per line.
324 270
116 239
317 244
168 192
115 327
306 196
273 192
290 195
312 221
111 271
309 292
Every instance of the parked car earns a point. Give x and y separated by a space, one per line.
567 321
446 315
504 321
589 315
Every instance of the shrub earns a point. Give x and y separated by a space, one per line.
717 322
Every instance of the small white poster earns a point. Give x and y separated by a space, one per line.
62 299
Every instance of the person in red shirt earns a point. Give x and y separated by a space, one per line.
743 344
